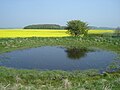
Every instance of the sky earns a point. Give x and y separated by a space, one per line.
19 13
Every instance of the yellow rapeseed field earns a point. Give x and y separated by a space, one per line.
100 31
12 33
32 33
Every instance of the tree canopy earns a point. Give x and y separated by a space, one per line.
77 27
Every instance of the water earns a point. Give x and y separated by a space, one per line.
57 58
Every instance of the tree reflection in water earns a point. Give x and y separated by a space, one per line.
76 53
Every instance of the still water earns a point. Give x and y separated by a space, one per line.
57 58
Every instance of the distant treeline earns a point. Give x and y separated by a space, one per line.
104 28
55 26
44 26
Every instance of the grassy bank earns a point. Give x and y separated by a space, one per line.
109 43
11 79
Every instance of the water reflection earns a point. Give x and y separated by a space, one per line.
76 53
57 58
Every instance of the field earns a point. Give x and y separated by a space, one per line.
12 33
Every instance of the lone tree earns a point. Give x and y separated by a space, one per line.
77 27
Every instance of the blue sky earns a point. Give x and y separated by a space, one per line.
19 13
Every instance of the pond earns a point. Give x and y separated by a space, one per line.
58 58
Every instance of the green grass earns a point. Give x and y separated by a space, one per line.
9 44
11 79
